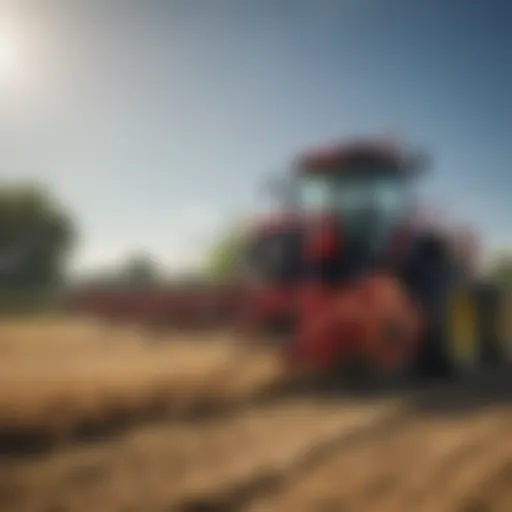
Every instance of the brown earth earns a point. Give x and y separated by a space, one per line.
443 448
59 379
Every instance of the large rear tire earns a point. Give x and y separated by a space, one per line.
452 346
496 324
503 324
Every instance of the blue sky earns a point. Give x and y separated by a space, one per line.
156 120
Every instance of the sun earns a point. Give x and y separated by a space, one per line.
10 56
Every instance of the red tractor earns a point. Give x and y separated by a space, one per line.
358 282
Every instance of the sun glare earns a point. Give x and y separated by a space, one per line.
10 56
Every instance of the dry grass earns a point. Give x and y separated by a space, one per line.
57 376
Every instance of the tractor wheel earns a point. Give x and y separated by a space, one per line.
453 343
503 324
496 323
465 348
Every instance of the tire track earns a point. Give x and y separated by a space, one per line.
449 450
463 490
495 493
426 464
310 453
221 464
388 452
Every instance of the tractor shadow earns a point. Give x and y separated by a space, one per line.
445 397
466 396
436 396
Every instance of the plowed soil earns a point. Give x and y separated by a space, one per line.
445 447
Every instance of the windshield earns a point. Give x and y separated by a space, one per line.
350 194
368 206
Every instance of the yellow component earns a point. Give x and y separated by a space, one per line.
504 323
463 328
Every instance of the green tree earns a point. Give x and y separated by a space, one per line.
36 237
140 270
502 270
224 259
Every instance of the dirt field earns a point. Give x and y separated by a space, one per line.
199 423
62 380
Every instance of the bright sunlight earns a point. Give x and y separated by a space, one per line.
10 56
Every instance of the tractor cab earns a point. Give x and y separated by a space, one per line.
362 195
365 188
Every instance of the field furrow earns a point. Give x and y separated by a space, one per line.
203 423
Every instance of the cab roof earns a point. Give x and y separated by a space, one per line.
339 156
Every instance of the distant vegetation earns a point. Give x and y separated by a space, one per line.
223 260
37 235
502 270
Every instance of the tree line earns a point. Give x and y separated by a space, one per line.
38 235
